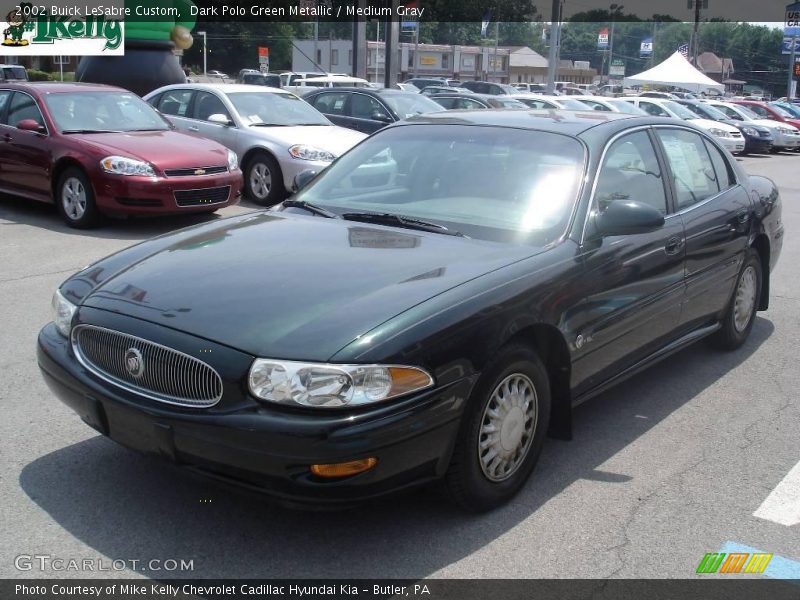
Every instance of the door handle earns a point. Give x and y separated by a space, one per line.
673 245
194 128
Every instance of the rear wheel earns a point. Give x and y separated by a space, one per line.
741 313
263 180
74 199
502 432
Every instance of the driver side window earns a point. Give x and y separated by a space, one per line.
206 105
366 107
653 109
631 172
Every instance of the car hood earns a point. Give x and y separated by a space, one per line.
292 286
709 124
332 138
770 124
163 149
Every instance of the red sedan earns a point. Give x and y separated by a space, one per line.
96 150
769 111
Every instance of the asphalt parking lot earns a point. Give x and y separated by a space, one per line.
665 468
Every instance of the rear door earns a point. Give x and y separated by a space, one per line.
633 284
334 106
716 212
25 155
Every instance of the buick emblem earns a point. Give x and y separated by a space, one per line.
134 362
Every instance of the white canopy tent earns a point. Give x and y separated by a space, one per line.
675 71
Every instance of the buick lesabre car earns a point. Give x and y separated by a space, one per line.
274 133
433 320
95 150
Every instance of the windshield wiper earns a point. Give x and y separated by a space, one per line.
401 221
312 208
92 131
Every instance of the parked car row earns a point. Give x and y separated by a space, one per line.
194 147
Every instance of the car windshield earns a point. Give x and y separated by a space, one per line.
679 110
626 107
570 104
781 111
789 108
274 108
746 112
16 73
490 183
100 111
408 105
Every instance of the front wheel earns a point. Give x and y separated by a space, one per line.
75 200
741 312
502 432
263 180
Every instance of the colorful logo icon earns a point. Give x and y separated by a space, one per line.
734 562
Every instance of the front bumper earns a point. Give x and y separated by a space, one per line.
133 195
290 167
758 145
783 140
732 144
268 449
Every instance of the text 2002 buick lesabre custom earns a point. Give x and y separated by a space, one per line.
430 306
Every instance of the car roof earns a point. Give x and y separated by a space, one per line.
561 121
48 87
222 87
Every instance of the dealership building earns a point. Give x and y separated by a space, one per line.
503 65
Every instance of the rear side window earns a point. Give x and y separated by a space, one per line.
175 102
331 103
722 167
692 169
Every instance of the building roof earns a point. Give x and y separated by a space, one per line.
522 56
708 62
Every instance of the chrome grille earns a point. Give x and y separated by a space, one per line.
146 368
195 172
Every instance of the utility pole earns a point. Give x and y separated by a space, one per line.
696 32
653 53
790 93
496 39
552 60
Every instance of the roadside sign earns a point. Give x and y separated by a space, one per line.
263 68
263 57
617 68
787 45
791 23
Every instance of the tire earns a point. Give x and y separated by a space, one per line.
741 312
263 180
75 201
471 479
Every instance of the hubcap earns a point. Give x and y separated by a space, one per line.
260 180
507 427
745 299
73 198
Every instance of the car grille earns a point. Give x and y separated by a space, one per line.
202 197
195 172
736 134
146 368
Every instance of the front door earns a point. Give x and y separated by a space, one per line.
26 156
633 284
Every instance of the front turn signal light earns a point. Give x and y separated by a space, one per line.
345 469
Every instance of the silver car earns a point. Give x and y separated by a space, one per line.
275 134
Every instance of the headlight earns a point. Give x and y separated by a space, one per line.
750 131
63 310
329 385
233 161
305 152
121 165
718 132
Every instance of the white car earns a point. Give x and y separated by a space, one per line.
275 134
540 101
304 86
785 136
617 105
730 137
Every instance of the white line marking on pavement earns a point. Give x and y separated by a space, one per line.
783 504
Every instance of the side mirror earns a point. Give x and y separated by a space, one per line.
31 125
220 119
627 217
380 116
302 179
